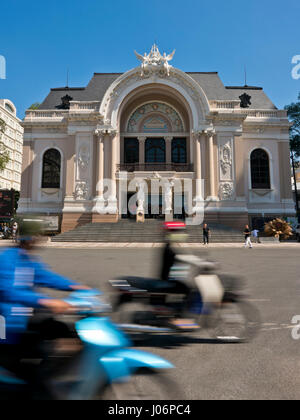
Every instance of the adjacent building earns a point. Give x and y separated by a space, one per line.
10 177
157 122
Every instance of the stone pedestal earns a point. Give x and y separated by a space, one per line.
140 217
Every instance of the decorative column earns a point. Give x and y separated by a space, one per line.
198 136
210 135
106 145
112 199
100 164
142 150
168 141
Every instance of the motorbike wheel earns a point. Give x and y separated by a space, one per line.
236 322
134 313
146 384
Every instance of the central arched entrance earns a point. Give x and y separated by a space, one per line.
155 139
155 119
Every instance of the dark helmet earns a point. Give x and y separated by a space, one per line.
174 226
29 228
175 231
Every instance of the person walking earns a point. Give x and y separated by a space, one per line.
247 234
255 233
14 231
206 233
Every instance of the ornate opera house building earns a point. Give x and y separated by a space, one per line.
156 122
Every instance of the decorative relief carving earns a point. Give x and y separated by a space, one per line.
226 160
81 190
84 156
226 191
103 131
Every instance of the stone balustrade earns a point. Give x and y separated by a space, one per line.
75 107
234 107
39 114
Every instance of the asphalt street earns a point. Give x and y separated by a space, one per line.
267 368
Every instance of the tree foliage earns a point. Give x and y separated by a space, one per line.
34 106
4 155
293 111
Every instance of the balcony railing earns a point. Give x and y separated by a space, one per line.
156 167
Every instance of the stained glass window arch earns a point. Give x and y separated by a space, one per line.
155 117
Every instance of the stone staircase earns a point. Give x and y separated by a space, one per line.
126 231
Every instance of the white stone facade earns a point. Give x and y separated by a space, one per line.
10 177
221 127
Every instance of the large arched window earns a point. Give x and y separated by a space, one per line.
260 169
179 150
51 169
155 151
131 150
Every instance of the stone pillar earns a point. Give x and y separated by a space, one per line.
210 135
198 137
100 165
112 199
106 151
142 150
168 141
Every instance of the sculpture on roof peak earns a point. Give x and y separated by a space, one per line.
154 62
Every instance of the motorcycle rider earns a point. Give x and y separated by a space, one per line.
175 233
21 274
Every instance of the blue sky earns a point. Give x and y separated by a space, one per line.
42 39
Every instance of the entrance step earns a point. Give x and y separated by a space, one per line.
151 231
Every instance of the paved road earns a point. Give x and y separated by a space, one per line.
268 368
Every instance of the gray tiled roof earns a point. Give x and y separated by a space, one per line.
210 83
259 100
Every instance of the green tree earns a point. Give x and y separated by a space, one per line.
36 105
293 111
4 155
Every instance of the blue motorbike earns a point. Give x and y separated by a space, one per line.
106 368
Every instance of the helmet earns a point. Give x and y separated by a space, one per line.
175 231
174 226
29 228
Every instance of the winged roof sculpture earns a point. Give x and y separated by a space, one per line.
154 61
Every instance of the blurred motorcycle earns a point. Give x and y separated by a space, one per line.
146 306
106 368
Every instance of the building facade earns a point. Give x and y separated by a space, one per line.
156 122
10 177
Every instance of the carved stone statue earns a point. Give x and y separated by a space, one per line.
141 197
169 196
155 62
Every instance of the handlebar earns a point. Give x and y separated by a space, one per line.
196 261
88 302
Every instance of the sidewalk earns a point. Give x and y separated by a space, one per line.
84 245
